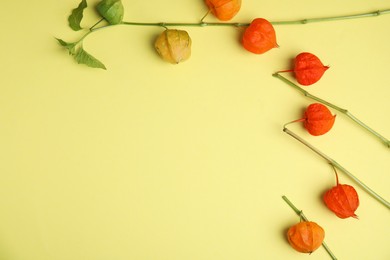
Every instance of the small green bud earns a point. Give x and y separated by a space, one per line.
111 10
173 46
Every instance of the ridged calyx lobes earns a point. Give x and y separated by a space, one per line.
111 10
306 236
318 119
259 37
173 46
308 68
224 10
342 199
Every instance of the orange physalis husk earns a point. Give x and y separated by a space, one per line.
306 236
318 119
259 37
342 199
308 68
224 10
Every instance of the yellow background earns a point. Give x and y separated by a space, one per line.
149 160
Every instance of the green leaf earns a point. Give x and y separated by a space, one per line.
77 15
70 46
83 57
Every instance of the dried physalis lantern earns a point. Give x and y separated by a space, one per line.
308 68
173 46
259 37
318 119
306 236
342 199
224 10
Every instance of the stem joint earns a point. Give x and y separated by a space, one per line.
162 24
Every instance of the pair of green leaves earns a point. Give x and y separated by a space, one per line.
80 55
76 49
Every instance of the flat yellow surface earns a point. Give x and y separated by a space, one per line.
153 161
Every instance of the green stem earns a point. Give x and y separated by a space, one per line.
296 210
334 18
302 21
199 24
342 110
93 26
80 41
205 24
84 36
338 166
204 16
302 216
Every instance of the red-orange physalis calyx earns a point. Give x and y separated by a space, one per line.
318 119
308 68
259 37
342 199
306 236
224 10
